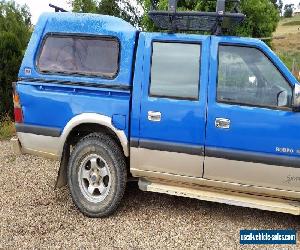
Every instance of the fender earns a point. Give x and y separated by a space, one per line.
75 121
93 118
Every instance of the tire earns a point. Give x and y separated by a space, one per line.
97 175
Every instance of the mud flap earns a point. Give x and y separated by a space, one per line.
62 172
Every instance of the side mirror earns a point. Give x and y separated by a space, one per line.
282 99
296 97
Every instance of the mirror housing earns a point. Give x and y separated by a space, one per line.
282 99
296 97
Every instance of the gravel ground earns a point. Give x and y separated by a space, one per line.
34 215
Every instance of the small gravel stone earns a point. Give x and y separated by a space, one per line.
34 215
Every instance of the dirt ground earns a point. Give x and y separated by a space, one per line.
34 215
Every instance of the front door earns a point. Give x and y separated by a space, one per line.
172 105
253 135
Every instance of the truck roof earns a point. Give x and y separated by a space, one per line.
68 23
84 21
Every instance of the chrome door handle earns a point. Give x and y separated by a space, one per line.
222 123
154 116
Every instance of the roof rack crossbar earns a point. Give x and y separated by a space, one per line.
214 22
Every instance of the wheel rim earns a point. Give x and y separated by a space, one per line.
94 178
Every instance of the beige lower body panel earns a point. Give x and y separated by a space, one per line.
163 161
193 182
226 197
249 173
45 146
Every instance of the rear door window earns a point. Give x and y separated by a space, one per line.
95 56
175 70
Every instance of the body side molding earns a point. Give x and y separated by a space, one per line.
185 148
254 157
76 83
37 130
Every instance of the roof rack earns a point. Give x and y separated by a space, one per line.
214 22
56 8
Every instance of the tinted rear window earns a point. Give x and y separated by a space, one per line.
175 70
97 56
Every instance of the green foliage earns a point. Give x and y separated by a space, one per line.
280 6
124 9
10 58
7 128
15 30
262 15
289 57
86 6
262 18
288 12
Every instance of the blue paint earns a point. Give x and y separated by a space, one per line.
252 129
84 24
119 121
54 105
184 122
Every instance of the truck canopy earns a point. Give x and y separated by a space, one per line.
83 31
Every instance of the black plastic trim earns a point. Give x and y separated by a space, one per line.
168 146
38 130
134 142
81 84
255 157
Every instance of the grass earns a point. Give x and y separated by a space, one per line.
289 58
291 23
7 128
287 43
288 26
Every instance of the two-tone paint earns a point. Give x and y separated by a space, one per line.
184 146
188 144
54 103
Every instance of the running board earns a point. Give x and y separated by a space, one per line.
226 197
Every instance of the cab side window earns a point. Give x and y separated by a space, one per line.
175 70
247 77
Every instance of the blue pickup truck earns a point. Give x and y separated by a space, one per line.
202 116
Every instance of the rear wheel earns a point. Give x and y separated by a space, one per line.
97 175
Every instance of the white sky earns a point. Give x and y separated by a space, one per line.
39 6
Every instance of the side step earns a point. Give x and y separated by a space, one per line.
226 197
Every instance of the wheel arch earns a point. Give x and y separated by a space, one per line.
93 121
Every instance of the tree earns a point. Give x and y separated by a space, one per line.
10 59
86 6
15 30
288 10
280 6
262 15
125 9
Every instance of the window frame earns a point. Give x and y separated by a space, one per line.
245 104
77 35
199 72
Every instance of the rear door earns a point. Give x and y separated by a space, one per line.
252 133
172 109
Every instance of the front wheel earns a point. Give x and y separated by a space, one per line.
97 175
